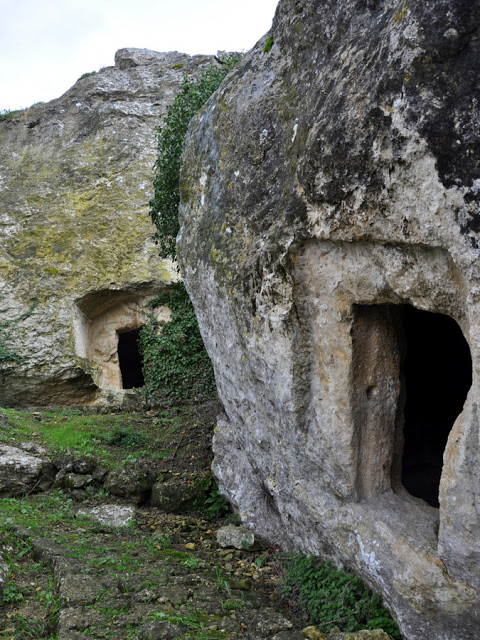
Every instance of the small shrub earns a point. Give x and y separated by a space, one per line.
87 75
268 44
123 437
216 505
332 597
163 539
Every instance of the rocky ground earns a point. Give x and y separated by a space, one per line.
80 561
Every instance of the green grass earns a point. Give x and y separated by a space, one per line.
112 439
40 511
193 619
30 587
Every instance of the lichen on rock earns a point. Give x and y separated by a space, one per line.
76 179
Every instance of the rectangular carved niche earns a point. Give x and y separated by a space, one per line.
377 396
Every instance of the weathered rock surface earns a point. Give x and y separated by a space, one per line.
331 180
176 497
75 182
133 481
22 472
3 573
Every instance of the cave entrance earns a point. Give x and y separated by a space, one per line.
411 374
130 359
437 373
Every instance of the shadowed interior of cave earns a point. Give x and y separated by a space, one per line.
130 359
437 376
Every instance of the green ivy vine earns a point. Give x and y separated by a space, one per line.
171 141
333 597
176 365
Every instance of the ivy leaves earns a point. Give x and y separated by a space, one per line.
176 365
171 141
332 597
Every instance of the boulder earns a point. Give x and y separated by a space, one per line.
111 515
236 537
266 622
177 496
133 481
329 241
76 179
23 472
74 481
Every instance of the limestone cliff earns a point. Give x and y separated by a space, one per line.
330 192
75 183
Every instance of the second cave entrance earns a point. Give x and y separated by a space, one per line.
412 372
130 359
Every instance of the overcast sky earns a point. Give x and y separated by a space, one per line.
46 45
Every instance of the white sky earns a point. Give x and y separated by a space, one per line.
46 45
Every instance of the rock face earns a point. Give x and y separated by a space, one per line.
24 470
75 182
333 260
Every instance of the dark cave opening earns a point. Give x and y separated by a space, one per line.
130 359
437 374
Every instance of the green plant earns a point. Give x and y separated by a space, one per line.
123 437
87 75
175 363
216 505
233 605
268 44
260 561
171 140
30 588
221 582
12 593
191 563
103 493
188 619
164 539
6 114
332 597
